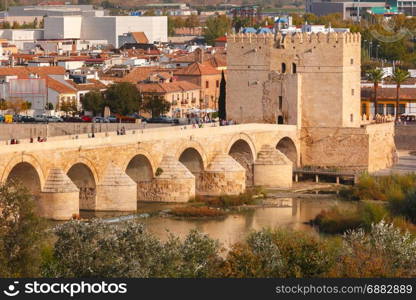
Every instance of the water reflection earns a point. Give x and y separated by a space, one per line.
283 212
235 227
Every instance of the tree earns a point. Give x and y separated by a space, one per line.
93 101
3 104
15 105
21 232
375 76
222 98
122 98
49 106
399 76
68 106
155 105
192 21
215 27
26 105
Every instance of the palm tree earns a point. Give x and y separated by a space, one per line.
375 76
399 76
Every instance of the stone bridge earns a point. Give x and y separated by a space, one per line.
113 172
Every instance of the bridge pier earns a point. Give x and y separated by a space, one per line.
173 182
272 168
116 191
223 176
59 198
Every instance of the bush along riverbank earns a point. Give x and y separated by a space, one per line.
97 249
393 199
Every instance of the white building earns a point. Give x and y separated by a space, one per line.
107 28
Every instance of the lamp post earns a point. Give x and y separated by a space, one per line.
378 47
370 48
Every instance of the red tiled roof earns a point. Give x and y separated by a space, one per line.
92 84
197 69
24 72
384 93
140 37
59 86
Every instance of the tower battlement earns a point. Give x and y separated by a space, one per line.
301 39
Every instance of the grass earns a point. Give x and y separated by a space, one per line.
249 197
196 212
336 220
381 188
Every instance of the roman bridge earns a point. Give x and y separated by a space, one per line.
113 172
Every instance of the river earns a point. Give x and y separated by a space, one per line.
287 212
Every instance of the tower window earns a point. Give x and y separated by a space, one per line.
352 61
280 120
280 102
352 92
283 68
351 117
294 68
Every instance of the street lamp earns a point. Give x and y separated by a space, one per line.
370 48
378 47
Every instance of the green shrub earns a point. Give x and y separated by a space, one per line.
383 251
22 232
279 253
336 220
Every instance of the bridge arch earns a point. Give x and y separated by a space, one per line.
140 168
195 146
192 159
26 174
84 176
288 148
24 158
243 151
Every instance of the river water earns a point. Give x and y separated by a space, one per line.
288 213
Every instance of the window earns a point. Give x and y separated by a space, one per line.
283 68
217 83
390 109
279 120
352 92
380 109
206 84
294 68
351 117
280 102
363 108
352 61
402 109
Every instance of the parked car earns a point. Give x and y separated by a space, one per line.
112 119
100 120
163 119
54 119
17 118
137 116
27 119
40 118
73 119
86 118
125 119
